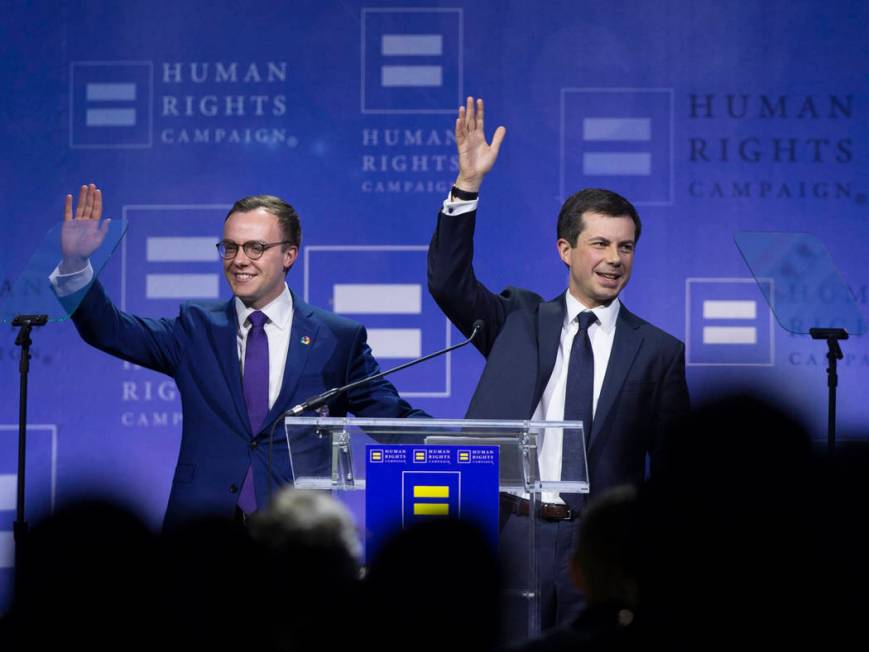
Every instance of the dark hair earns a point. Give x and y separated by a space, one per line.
594 200
288 219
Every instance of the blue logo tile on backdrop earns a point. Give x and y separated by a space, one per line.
111 104
618 138
40 494
384 287
727 323
411 60
169 256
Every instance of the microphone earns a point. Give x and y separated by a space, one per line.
321 399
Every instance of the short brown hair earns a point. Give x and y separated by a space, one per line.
594 200
288 219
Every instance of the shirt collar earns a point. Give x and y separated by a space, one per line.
606 315
279 311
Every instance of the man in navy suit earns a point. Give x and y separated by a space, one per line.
214 350
634 373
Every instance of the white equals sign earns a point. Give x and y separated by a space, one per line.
411 45
617 130
114 116
8 503
181 286
384 299
730 310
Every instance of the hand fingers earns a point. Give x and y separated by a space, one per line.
460 126
469 114
480 115
67 208
79 207
104 227
88 212
498 138
98 204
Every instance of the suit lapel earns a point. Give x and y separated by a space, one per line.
303 336
550 319
626 343
226 335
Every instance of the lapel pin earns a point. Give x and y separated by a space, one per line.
305 340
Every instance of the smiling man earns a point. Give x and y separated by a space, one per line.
238 364
581 356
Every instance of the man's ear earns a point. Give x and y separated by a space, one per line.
290 254
564 248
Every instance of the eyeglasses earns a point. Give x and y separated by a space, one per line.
253 249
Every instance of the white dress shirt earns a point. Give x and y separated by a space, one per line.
71 282
278 330
551 406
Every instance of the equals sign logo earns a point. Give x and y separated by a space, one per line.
618 130
730 310
98 115
181 285
384 299
8 503
411 45
427 506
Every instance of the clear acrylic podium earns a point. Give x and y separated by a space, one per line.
519 471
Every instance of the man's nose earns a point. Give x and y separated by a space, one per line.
240 257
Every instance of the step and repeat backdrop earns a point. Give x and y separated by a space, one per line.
713 118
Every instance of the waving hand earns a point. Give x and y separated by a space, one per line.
476 156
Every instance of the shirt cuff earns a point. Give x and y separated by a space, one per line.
458 207
66 284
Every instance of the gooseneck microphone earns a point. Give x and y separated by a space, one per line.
321 399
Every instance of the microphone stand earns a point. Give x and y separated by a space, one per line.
834 354
26 323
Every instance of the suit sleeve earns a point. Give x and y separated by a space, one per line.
152 343
673 406
378 398
454 286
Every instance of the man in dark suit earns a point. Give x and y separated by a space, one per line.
581 356
238 365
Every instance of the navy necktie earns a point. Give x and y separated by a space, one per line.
256 394
578 402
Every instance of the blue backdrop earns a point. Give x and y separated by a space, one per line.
712 117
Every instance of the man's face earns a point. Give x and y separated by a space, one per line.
600 263
257 282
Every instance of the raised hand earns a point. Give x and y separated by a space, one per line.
476 156
82 233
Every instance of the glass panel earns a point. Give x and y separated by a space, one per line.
32 294
323 449
800 281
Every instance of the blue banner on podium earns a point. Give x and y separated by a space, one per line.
410 484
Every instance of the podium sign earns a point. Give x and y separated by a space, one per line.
407 484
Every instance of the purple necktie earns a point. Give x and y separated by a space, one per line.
256 394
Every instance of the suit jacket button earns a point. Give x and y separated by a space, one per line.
254 444
233 489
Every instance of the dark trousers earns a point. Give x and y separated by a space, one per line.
560 601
